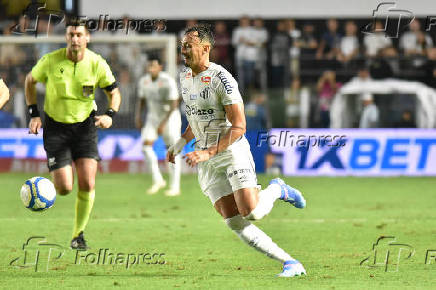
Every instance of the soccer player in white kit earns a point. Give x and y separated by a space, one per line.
226 172
159 91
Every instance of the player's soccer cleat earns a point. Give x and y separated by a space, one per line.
79 243
290 194
292 268
156 187
172 192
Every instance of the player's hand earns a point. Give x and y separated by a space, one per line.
175 149
195 157
103 121
170 157
34 125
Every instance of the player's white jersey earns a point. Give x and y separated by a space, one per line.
205 96
157 94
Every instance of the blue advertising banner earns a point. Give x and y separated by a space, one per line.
360 152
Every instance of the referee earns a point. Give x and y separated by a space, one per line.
71 76
4 93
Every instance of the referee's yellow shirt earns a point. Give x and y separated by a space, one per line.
70 86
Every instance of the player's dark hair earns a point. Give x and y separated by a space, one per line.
153 57
76 21
204 32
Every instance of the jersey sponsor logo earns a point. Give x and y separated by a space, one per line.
193 110
193 97
188 75
88 91
205 94
240 171
51 161
227 86
205 80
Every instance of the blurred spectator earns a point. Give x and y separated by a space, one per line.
240 40
256 113
330 41
260 39
280 45
308 42
415 41
292 104
430 68
376 40
327 88
380 67
220 53
407 120
370 116
349 47
294 50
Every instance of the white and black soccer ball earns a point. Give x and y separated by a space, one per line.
38 193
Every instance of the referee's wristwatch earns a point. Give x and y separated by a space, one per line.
110 112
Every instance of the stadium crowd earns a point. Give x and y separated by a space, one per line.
277 62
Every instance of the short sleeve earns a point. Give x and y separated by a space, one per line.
227 89
40 70
105 76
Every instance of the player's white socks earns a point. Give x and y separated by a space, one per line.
256 238
174 173
267 197
153 166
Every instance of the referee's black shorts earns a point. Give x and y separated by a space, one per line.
65 143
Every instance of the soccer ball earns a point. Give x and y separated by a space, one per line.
38 193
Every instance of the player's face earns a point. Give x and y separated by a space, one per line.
77 38
193 50
154 68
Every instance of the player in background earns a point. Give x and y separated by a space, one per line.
226 172
71 76
158 90
4 93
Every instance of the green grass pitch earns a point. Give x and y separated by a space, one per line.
336 231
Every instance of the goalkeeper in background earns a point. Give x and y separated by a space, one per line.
71 76
159 91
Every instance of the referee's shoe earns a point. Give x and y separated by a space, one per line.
79 243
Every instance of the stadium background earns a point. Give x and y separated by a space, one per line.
345 216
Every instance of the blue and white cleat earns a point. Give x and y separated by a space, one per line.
290 194
292 268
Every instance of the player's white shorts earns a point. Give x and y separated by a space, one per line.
227 171
171 132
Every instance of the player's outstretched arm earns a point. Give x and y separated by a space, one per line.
30 92
4 93
105 121
178 146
